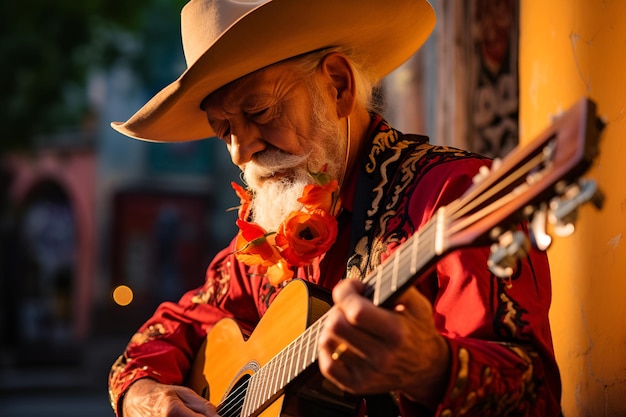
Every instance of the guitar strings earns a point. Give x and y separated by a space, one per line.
460 207
234 402
382 273
523 171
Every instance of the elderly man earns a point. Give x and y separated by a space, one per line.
332 190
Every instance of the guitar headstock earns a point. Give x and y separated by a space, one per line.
539 181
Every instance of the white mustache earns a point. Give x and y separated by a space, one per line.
270 162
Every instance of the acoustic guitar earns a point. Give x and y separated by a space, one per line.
274 371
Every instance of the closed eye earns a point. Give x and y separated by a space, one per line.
223 131
262 116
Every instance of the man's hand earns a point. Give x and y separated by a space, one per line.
148 398
367 350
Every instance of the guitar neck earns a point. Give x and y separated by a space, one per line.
408 263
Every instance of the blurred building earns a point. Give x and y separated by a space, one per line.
89 211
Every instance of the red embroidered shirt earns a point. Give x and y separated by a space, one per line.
501 348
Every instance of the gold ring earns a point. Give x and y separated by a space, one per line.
339 351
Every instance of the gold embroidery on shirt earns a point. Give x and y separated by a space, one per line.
215 288
511 314
462 375
150 333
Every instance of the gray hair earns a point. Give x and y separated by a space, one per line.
365 80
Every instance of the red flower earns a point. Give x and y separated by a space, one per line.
244 197
304 236
255 246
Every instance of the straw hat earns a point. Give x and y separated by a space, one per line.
224 40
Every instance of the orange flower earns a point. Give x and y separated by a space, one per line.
322 197
279 273
255 246
303 236
244 197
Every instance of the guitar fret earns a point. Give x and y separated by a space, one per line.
390 271
308 348
262 384
278 370
253 400
394 275
266 382
440 243
379 295
414 252
277 376
295 361
318 324
288 364
250 397
379 278
299 364
289 369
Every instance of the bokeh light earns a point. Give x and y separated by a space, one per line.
122 295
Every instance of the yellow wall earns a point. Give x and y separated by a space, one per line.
570 49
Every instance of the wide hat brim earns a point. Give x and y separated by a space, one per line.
384 33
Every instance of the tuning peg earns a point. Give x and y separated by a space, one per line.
539 238
564 209
510 247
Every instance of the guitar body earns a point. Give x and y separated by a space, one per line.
227 360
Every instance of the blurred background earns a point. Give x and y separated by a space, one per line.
97 229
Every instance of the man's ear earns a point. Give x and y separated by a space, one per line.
338 70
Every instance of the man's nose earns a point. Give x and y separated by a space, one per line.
245 141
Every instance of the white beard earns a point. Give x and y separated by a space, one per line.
274 199
272 203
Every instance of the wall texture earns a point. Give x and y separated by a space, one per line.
571 49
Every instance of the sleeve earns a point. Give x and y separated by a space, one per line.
165 346
502 359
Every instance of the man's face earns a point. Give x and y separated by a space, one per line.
278 125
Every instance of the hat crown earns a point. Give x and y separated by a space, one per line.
224 40
204 21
